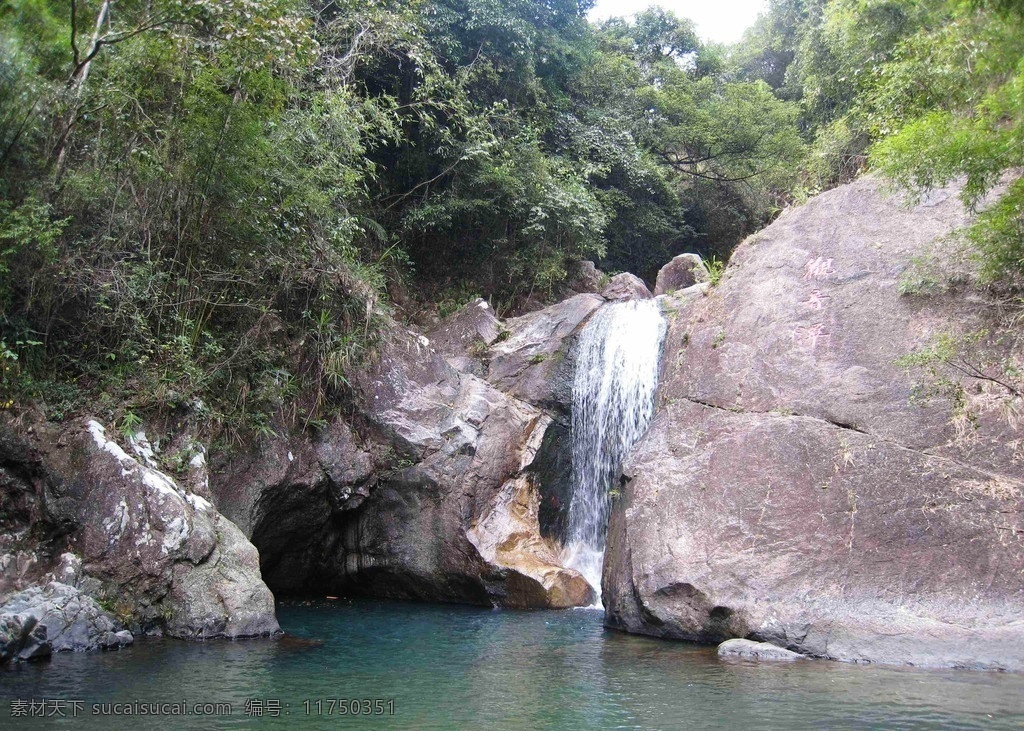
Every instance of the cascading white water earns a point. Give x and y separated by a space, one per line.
612 406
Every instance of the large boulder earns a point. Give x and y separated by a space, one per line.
584 276
682 272
803 485
626 286
394 503
160 555
508 535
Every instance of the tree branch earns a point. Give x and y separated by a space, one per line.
76 54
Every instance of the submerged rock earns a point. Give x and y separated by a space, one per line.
751 650
800 486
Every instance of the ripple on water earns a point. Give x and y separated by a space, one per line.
450 667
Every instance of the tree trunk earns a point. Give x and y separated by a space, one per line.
75 85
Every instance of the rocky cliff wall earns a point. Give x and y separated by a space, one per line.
802 482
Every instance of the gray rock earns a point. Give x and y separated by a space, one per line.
791 488
531 363
162 554
682 272
584 277
751 650
409 508
465 337
419 533
70 620
291 496
22 638
626 286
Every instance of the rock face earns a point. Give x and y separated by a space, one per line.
464 338
60 617
468 446
798 486
131 536
536 363
432 495
682 272
531 363
291 498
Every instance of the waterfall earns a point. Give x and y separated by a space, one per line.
612 404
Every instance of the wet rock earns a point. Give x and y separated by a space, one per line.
626 286
69 620
551 471
682 272
751 650
794 485
508 536
466 444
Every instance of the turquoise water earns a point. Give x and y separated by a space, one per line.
449 667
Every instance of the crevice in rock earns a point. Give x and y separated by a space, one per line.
848 427
837 424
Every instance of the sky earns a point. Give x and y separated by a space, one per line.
722 21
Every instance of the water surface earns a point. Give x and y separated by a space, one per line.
455 668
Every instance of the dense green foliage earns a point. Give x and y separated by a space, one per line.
206 205
923 90
212 205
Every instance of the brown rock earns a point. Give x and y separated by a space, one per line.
508 536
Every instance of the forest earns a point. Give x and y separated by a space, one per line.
223 205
